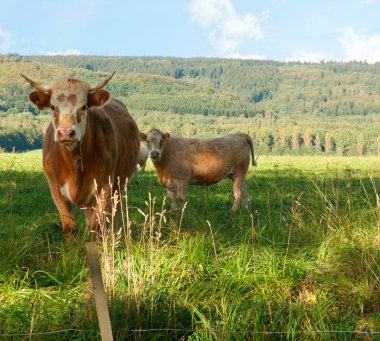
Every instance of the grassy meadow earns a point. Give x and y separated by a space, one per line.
302 264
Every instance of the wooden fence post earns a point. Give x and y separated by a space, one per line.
100 295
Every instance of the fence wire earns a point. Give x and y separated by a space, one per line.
364 332
52 332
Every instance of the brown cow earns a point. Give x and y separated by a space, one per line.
180 161
91 139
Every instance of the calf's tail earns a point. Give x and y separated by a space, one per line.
250 142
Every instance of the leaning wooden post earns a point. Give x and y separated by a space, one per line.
100 295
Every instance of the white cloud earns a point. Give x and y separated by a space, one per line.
67 52
359 47
226 28
5 41
307 56
250 56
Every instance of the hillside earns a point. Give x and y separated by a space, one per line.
289 107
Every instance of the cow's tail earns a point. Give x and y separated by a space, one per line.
250 142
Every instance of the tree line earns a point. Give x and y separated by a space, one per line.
290 108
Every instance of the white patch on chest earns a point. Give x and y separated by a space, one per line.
66 191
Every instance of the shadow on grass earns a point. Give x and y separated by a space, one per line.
277 201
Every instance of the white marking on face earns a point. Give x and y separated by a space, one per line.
66 191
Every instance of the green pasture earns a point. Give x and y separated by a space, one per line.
302 264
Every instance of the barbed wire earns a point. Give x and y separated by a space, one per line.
363 331
51 332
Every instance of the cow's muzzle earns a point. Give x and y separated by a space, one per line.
154 154
66 135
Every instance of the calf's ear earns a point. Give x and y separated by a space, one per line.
142 136
98 98
40 99
166 137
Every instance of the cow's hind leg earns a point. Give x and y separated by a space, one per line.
237 188
244 194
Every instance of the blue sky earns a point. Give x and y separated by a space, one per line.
304 30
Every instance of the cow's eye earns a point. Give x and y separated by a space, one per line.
83 107
52 107
147 141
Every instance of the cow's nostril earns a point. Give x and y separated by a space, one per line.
72 133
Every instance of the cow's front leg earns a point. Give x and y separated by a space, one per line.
65 211
172 193
181 192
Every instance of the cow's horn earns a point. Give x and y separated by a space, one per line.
36 85
102 84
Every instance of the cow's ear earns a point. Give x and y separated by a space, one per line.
143 137
40 99
166 137
98 98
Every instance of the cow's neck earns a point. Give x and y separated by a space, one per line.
161 169
75 159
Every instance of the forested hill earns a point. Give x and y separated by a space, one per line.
288 107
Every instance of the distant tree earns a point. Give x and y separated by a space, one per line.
307 138
318 143
329 143
295 141
344 143
360 144
283 137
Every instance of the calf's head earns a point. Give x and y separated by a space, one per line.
69 101
155 140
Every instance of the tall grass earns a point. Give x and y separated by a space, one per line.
302 264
